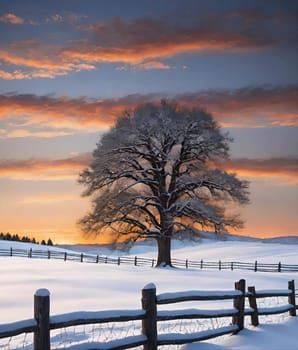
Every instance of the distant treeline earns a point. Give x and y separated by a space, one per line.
15 237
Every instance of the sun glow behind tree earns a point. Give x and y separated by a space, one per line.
154 174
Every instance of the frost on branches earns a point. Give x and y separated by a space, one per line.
156 173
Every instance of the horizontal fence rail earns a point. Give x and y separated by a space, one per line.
150 316
139 261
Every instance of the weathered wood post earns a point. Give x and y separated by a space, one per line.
291 298
239 303
256 266
253 304
149 324
42 317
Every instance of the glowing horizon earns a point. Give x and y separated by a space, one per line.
66 75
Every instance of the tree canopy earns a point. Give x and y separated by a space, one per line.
156 172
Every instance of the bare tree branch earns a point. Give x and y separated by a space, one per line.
155 172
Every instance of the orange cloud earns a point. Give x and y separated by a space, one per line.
68 168
142 42
136 55
11 18
136 41
246 107
249 106
36 60
20 133
44 169
81 114
282 168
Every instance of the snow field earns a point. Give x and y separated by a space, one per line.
91 287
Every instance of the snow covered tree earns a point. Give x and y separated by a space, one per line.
155 173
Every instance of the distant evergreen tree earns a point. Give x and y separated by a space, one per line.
17 238
43 242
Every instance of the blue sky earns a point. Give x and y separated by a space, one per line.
69 68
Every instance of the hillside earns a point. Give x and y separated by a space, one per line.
78 287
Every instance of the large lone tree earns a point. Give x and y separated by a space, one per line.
156 172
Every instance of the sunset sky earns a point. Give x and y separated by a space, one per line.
68 68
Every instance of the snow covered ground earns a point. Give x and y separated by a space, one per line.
94 287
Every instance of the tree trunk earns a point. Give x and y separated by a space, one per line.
164 252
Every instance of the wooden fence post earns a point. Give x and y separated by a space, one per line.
239 303
136 261
42 317
149 324
256 266
253 304
291 299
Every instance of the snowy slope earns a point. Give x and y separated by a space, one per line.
229 249
80 287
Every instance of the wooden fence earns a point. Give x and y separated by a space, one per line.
139 261
149 315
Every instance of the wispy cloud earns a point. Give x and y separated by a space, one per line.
144 42
55 18
285 169
154 65
21 133
247 107
282 168
44 169
12 19
146 39
67 17
37 60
